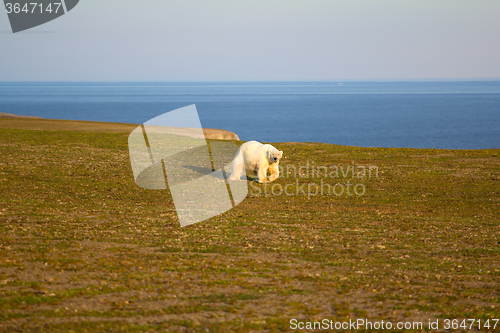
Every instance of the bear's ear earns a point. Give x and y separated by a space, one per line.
281 153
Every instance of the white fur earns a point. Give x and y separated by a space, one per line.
258 158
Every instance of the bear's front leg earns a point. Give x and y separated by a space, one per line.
262 175
274 172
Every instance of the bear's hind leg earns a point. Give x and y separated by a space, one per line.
238 167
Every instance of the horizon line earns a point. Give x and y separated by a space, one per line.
259 81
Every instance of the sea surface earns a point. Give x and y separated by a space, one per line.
451 115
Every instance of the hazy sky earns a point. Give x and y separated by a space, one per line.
213 40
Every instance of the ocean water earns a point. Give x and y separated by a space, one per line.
451 115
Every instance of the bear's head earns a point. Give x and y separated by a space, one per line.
274 156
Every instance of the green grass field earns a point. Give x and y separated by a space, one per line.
83 249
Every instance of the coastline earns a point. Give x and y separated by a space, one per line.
12 121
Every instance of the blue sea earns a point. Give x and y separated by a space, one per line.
451 115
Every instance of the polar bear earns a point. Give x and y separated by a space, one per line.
259 158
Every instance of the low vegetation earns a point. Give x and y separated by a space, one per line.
83 249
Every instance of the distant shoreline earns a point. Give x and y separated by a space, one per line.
10 115
12 121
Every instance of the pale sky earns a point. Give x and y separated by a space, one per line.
258 40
